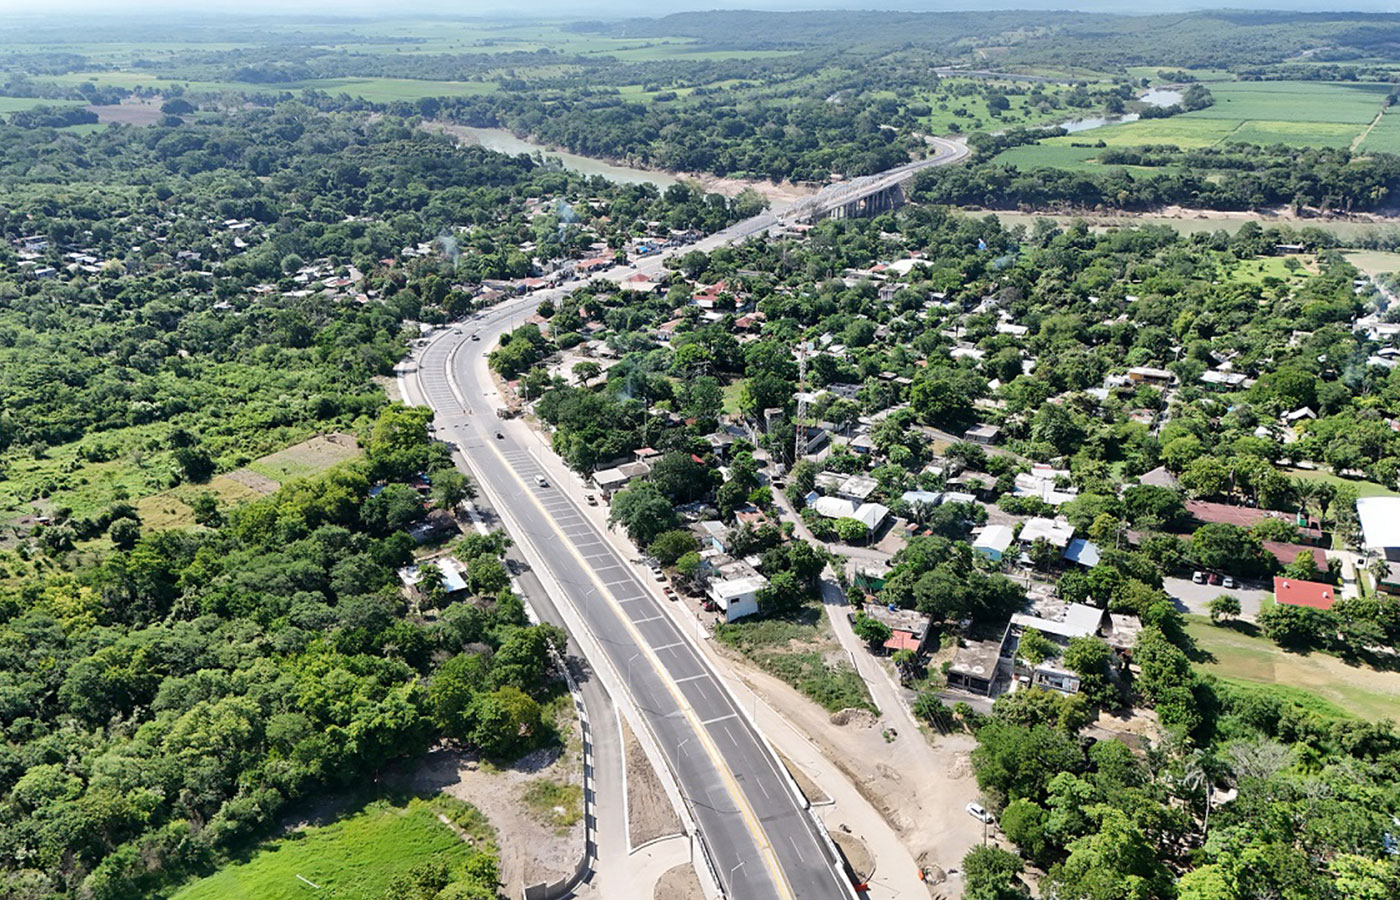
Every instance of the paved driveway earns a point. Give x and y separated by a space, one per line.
1192 597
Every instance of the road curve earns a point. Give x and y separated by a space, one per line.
760 837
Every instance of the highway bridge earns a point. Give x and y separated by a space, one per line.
871 195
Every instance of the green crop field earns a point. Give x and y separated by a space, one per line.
376 90
1294 101
353 858
15 104
1384 136
1296 113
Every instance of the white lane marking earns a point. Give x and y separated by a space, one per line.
795 849
709 722
647 619
692 678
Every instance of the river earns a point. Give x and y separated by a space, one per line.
503 141
1155 97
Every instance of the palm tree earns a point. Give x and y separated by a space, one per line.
1379 568
1305 489
1200 769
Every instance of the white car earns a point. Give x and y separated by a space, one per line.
540 480
979 813
1228 582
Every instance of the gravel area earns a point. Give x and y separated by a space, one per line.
649 812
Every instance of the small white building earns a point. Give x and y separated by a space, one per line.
737 597
994 541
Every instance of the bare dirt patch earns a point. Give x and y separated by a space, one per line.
532 848
918 787
810 789
258 484
130 112
649 812
307 458
857 854
679 883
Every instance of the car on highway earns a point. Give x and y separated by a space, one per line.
979 813
540 480
475 336
456 331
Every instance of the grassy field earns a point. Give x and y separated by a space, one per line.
1238 657
353 858
15 104
1363 488
803 652
1297 113
1374 262
375 90
1228 222
139 468
1257 271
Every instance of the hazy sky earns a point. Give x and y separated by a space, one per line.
651 7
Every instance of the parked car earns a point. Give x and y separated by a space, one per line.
539 479
500 436
979 813
1198 577
592 500
1214 578
1228 582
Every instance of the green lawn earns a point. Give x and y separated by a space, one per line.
1363 488
353 858
1241 658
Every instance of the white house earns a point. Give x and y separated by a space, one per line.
737 597
994 541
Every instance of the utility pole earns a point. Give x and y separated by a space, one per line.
801 402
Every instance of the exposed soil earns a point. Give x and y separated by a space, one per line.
132 111
679 883
810 789
649 811
856 853
250 479
918 787
532 850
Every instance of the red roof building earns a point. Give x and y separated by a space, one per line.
1312 594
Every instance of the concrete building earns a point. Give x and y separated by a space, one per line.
994 541
737 597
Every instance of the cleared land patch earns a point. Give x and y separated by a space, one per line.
1238 657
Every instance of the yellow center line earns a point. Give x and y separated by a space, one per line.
745 809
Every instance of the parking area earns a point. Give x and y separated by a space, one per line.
1192 597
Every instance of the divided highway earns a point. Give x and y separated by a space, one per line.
761 839
763 842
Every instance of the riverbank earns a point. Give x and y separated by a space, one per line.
503 141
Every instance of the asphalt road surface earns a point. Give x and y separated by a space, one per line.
761 839
763 842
